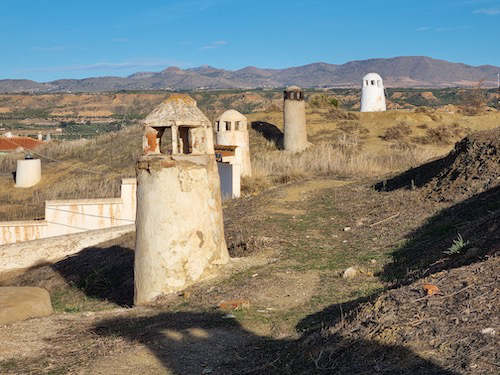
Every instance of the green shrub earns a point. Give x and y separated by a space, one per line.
457 246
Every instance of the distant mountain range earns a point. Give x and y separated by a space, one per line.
405 71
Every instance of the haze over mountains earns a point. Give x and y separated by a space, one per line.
405 71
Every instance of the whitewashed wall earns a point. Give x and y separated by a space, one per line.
64 217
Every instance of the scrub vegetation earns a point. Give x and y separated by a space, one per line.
345 144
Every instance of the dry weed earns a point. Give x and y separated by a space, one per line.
338 114
474 100
352 127
397 133
441 135
8 162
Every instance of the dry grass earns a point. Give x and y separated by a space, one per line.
474 100
338 114
112 150
325 159
441 135
8 163
352 127
397 133
90 168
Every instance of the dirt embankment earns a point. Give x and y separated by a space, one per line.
456 328
471 168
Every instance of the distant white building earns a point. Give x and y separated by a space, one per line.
372 93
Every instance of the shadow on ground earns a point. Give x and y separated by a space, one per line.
476 220
270 132
106 273
415 177
210 343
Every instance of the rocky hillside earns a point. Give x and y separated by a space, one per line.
406 71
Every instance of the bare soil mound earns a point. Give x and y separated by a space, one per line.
456 329
472 167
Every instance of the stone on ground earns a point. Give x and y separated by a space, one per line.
350 273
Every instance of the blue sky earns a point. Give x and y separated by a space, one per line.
51 39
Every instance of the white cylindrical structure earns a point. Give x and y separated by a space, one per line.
294 120
28 173
372 93
231 129
179 225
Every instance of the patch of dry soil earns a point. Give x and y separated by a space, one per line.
283 290
299 192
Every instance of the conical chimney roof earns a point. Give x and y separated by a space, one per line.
177 110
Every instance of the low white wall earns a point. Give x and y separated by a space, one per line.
64 217
49 250
16 231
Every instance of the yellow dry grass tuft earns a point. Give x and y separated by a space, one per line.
271 168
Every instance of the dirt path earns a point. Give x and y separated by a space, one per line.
296 193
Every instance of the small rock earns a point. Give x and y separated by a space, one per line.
360 222
186 294
350 273
345 241
431 289
347 229
373 261
255 275
235 304
229 316
488 331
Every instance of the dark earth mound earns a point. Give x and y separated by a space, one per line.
456 329
472 167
